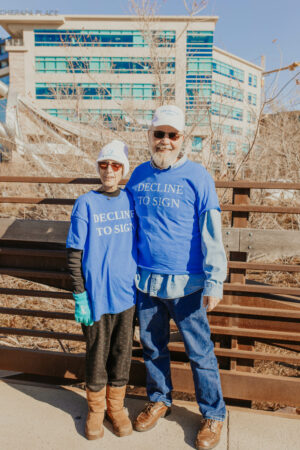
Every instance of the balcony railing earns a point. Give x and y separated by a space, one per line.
15 42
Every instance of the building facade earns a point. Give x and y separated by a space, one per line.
3 59
119 69
4 75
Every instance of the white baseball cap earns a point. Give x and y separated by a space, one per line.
169 115
116 151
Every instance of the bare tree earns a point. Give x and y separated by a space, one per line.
194 7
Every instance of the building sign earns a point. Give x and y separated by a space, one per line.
29 12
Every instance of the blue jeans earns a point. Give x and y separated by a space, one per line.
190 317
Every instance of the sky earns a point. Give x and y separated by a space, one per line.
246 28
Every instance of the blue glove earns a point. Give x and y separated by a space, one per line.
83 312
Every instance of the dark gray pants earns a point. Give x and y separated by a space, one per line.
109 349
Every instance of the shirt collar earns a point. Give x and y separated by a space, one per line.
178 163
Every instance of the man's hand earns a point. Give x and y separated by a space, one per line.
210 302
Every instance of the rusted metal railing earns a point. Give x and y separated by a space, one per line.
250 312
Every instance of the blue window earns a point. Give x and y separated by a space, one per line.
195 116
3 52
77 66
102 38
5 154
231 165
94 91
202 66
44 92
199 44
228 71
251 117
203 37
104 92
227 91
3 104
5 79
237 114
251 98
227 129
84 38
163 38
51 64
230 112
197 144
3 64
216 146
111 118
252 80
198 91
103 64
231 148
245 148
169 92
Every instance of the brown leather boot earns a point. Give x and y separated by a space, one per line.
148 418
209 434
94 422
115 410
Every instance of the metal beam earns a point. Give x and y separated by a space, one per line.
37 313
257 311
261 209
265 266
238 385
261 289
178 348
36 293
41 333
53 364
95 180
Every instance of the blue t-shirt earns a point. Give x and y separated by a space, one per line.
105 229
168 204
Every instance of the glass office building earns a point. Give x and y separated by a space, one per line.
80 68
4 75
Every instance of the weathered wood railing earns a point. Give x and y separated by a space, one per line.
250 312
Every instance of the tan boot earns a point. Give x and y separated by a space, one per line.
148 417
94 422
209 434
115 410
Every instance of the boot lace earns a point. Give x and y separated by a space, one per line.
148 406
211 424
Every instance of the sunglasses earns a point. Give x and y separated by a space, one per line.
114 165
158 134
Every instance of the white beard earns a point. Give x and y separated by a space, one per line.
163 160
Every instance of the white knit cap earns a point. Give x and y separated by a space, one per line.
169 115
115 151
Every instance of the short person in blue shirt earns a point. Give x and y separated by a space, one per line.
102 260
181 270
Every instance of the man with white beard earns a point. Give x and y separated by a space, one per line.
181 270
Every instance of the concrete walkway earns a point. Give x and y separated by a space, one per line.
52 418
